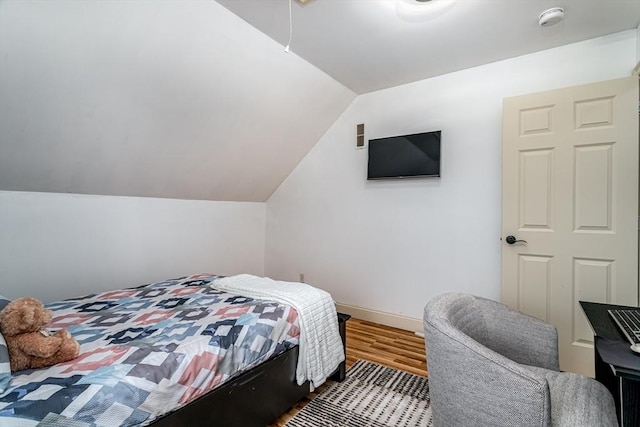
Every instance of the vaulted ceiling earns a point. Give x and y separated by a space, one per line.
198 100
175 99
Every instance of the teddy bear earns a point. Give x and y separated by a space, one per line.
29 345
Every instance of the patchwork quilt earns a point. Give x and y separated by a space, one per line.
147 351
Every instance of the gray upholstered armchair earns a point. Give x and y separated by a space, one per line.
490 365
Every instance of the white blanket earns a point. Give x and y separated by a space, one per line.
321 349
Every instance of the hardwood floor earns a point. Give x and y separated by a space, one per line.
385 345
380 344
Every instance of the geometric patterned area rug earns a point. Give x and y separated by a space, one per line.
372 395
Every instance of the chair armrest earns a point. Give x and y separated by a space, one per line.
519 337
471 385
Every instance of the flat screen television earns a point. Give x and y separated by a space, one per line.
416 155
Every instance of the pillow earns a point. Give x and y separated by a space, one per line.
5 368
4 301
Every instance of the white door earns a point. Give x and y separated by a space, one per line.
570 190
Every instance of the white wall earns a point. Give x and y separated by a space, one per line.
638 44
393 245
56 246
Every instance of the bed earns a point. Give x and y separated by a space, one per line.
180 352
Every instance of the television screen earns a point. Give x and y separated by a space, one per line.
405 156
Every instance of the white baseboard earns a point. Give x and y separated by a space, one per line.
381 317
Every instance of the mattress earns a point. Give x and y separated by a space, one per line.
147 351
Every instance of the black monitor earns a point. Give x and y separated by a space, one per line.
416 155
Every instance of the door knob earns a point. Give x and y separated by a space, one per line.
512 239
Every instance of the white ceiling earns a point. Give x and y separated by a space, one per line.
375 44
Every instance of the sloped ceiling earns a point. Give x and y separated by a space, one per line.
170 99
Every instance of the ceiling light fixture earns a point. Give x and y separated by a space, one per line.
551 16
422 10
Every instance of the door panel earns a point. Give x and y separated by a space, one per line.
536 167
593 188
535 282
570 190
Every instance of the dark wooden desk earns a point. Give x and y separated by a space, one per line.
616 366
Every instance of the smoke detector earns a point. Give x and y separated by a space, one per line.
551 16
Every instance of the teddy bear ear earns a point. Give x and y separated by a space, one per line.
10 322
17 317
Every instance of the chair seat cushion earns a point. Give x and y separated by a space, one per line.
578 401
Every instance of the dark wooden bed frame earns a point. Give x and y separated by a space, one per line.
254 398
